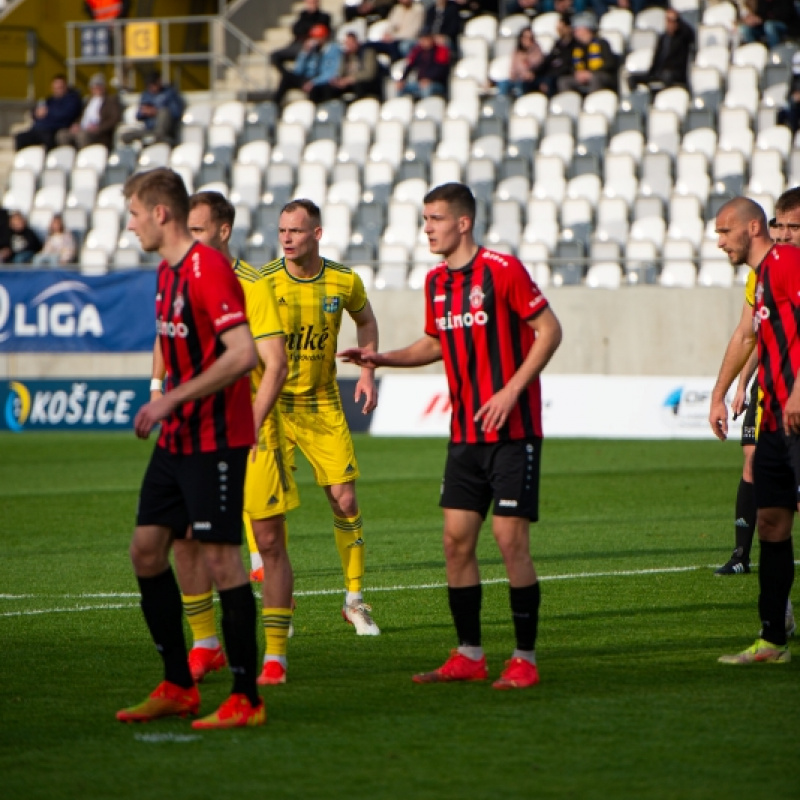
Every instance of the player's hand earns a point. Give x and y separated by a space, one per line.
150 414
739 402
494 413
360 356
367 388
718 419
791 414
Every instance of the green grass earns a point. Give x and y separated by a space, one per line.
632 702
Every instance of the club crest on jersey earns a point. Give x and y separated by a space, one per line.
476 297
330 305
177 305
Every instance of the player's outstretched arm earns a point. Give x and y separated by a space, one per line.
158 371
495 411
237 359
367 338
424 351
737 352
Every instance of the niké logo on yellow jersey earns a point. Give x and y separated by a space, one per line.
307 338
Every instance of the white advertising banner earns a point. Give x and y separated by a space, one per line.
597 406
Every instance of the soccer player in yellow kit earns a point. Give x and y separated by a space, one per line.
270 490
313 293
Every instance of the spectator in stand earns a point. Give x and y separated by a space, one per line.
404 23
102 10
443 20
160 109
558 61
59 247
57 112
359 74
306 20
525 61
670 58
369 10
22 243
594 65
790 115
316 66
427 69
768 21
528 7
101 115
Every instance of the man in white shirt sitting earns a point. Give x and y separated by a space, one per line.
101 115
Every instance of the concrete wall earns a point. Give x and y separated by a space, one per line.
644 330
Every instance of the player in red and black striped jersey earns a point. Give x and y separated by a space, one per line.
495 332
195 478
742 230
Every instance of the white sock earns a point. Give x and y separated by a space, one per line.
525 655
256 561
281 659
352 598
474 653
211 642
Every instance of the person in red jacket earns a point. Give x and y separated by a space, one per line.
104 10
427 69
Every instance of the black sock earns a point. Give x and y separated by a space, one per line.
745 519
465 606
239 631
775 579
163 612
525 613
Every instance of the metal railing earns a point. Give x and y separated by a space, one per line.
226 44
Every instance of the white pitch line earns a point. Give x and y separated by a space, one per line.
323 592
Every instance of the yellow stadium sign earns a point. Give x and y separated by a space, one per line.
141 39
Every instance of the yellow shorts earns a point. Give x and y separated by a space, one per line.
324 439
269 487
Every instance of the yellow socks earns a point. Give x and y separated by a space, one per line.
276 622
350 544
199 610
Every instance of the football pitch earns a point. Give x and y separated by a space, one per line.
632 703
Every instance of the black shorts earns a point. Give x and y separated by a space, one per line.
776 470
507 473
751 417
204 490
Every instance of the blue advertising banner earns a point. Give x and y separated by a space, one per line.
35 405
52 311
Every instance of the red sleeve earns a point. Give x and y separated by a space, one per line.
430 314
521 293
217 289
786 277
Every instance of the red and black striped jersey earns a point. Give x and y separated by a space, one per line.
480 315
776 320
196 301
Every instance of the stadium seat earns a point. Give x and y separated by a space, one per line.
678 275
93 261
30 158
336 225
612 220
151 157
93 156
531 105
515 187
62 157
641 262
51 198
603 101
604 275
299 112
230 113
651 19
649 229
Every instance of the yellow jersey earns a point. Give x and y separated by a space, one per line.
265 322
311 315
750 288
